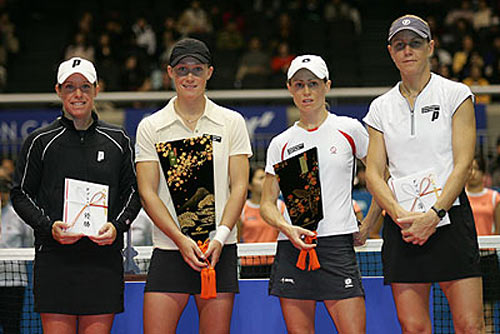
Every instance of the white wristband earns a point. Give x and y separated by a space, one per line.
222 233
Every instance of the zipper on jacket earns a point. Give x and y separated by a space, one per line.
412 122
412 115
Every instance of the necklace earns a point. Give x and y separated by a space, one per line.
188 121
406 92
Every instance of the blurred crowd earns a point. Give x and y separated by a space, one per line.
255 41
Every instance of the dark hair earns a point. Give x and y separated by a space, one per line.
481 163
253 170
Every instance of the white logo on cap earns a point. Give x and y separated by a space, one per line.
306 60
405 22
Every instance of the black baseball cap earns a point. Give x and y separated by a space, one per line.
190 47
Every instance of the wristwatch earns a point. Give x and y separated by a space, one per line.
440 212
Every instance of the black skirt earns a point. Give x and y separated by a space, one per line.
337 278
168 272
450 253
79 283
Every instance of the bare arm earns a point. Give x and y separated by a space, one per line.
370 220
272 215
238 175
148 178
463 143
376 164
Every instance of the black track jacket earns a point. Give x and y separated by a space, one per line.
101 154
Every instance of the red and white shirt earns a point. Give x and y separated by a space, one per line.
338 140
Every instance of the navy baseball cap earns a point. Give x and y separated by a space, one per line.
190 47
410 22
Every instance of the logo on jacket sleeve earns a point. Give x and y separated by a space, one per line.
100 156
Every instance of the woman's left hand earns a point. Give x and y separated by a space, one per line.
106 235
213 252
422 227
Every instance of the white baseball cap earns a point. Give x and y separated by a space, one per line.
76 65
313 63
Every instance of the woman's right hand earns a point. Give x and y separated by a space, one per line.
297 235
191 253
60 235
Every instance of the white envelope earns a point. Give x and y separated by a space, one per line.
85 206
418 192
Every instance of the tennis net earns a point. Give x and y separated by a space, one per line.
16 294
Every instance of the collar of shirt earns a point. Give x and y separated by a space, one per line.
169 116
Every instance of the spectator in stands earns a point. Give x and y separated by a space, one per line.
80 48
253 228
453 36
495 166
333 274
461 57
485 204
114 29
106 60
230 38
8 166
170 25
212 187
483 16
280 63
78 279
9 46
144 35
311 29
254 66
416 252
476 78
133 77
167 44
85 26
339 10
284 31
441 53
492 61
445 71
195 22
14 233
463 12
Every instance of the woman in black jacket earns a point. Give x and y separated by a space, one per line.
78 276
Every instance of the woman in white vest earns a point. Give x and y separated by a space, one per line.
424 129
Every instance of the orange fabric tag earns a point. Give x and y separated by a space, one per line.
208 283
313 256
